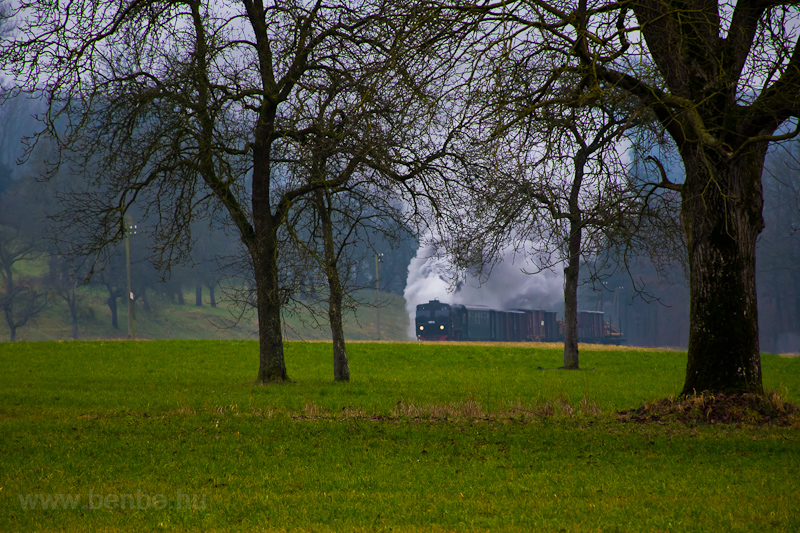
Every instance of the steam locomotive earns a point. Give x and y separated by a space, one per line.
438 321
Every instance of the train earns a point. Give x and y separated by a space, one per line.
439 321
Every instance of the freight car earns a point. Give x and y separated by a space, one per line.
438 321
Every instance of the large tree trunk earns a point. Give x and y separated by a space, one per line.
571 298
341 368
721 214
264 251
271 368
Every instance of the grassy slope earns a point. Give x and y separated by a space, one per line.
425 438
168 320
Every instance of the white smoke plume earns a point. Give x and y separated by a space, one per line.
508 287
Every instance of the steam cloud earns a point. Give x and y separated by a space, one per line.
507 287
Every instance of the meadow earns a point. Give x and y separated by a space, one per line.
174 435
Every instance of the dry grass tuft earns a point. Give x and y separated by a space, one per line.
313 411
470 409
183 411
706 408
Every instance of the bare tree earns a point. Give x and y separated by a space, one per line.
548 179
584 195
723 81
189 108
65 283
23 296
344 129
346 223
210 248
22 299
110 274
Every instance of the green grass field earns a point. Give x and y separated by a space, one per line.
173 435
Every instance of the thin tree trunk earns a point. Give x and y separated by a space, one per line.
198 293
112 304
7 305
211 293
53 269
73 311
145 300
341 368
721 214
572 271
571 274
9 315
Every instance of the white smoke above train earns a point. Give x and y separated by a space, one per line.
508 287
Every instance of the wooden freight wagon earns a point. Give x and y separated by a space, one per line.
538 325
590 326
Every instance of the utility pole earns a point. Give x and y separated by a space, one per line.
129 228
377 292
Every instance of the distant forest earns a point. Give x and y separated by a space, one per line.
42 271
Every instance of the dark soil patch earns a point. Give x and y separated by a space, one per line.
740 409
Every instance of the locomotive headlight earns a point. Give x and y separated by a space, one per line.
441 327
421 328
